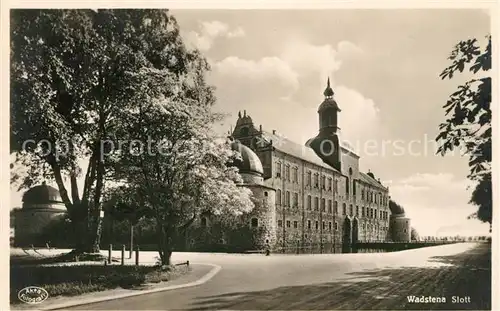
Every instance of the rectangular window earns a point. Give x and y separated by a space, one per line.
357 210
287 172
308 224
280 223
336 186
316 180
295 199
323 205
308 180
287 198
354 188
350 210
336 206
296 174
363 211
295 224
344 209
336 226
278 170
317 225
330 206
316 204
362 194
309 202
323 225
323 182
330 226
288 224
375 213
255 222
329 184
278 197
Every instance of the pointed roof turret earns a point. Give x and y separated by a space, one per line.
328 91
329 102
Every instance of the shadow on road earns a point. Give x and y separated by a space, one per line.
466 275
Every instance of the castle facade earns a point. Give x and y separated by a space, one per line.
308 197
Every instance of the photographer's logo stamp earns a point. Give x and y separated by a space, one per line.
32 295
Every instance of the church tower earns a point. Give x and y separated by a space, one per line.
328 112
326 144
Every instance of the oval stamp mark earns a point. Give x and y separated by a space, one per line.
32 295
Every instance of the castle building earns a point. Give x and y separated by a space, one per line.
318 198
42 205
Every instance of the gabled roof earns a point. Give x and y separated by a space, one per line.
371 181
292 148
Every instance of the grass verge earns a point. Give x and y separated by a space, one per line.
80 279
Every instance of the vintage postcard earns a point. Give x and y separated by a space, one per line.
303 156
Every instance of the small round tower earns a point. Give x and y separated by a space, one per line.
262 219
41 205
399 224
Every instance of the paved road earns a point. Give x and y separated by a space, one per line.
296 282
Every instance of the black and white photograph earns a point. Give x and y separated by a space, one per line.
251 158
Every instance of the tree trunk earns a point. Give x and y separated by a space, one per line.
165 244
93 245
88 230
80 226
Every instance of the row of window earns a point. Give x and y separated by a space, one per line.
372 197
288 223
328 184
283 171
296 224
285 201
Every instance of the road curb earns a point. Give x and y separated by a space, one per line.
200 281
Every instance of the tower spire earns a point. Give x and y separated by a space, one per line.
328 91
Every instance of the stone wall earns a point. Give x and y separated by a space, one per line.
29 224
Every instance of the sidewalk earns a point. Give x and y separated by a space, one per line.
200 273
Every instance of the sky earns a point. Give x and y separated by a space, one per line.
384 67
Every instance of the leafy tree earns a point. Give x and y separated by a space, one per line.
183 173
468 123
122 203
73 77
395 208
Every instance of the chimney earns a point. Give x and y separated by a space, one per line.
274 132
260 127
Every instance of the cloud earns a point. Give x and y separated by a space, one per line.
355 107
238 32
209 32
248 78
292 80
309 59
348 49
